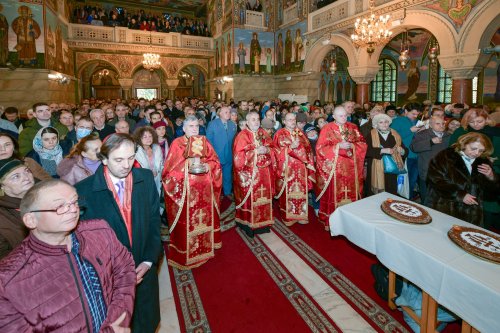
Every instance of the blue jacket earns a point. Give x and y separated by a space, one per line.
402 125
222 139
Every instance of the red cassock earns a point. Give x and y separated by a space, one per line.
339 175
253 179
295 175
192 205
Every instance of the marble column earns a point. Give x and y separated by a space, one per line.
461 91
463 67
362 93
363 75
126 85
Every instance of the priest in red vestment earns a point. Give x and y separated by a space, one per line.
192 181
253 169
340 154
295 172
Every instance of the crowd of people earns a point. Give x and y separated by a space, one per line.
139 20
138 172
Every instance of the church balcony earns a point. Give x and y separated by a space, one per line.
290 15
254 20
124 39
341 14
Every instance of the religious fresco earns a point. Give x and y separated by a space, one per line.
413 82
224 55
253 52
290 51
21 35
58 56
335 87
228 17
456 11
105 77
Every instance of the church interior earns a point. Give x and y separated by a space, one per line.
295 279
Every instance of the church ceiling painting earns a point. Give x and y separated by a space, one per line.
456 11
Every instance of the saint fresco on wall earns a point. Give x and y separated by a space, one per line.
290 51
413 81
335 87
254 52
224 54
25 38
58 55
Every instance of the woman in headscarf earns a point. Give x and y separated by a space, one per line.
46 150
82 161
383 140
10 148
15 180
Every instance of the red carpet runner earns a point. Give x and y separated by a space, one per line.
245 288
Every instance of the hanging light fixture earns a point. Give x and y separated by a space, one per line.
151 61
433 50
333 60
371 30
404 56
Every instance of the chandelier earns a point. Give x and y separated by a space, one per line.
433 51
151 61
333 61
404 56
371 30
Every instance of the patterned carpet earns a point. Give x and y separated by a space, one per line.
252 285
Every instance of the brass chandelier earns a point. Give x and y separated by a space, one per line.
151 61
371 30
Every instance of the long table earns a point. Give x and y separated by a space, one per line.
423 254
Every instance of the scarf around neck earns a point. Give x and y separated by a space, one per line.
126 206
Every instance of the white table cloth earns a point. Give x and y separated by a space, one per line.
423 254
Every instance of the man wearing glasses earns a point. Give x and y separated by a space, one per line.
65 276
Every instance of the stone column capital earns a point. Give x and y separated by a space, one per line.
463 65
363 74
172 83
126 83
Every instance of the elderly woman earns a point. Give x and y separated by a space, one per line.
15 180
46 150
461 177
149 154
383 140
82 161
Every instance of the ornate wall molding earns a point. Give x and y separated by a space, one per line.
127 64
134 48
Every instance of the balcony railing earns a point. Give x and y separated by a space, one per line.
254 19
122 35
341 14
290 14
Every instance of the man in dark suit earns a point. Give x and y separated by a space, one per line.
127 199
220 133
427 144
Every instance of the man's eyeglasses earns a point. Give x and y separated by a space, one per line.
63 209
